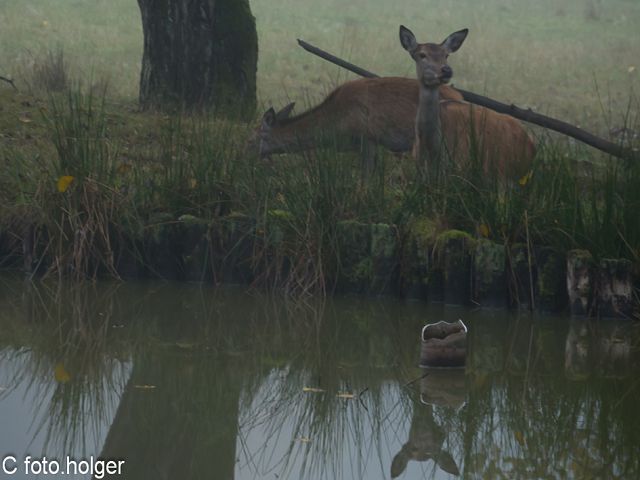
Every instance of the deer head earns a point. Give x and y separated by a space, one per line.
263 139
431 58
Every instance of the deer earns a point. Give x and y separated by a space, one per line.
363 113
450 126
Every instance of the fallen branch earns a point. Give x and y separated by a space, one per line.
527 115
9 81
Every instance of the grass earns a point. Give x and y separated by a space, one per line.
543 55
129 169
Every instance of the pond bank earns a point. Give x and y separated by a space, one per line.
449 267
91 189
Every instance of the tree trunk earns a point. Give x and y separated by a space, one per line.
199 55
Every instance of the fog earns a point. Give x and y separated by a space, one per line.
575 59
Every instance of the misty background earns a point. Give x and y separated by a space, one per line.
574 59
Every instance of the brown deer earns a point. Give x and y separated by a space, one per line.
364 112
449 126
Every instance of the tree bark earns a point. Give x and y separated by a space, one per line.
199 55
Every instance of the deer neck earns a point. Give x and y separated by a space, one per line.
304 131
428 128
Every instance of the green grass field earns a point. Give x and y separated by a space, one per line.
576 59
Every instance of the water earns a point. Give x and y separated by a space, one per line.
180 381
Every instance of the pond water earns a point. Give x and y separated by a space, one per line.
184 381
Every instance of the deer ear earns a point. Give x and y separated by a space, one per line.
285 112
408 39
454 41
269 118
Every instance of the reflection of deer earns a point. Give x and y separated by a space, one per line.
458 126
426 436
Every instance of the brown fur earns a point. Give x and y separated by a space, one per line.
380 110
502 142
383 111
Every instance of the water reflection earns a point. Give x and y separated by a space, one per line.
438 388
190 382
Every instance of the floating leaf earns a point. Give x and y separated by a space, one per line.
60 373
631 69
346 396
64 182
145 387
525 179
483 230
312 390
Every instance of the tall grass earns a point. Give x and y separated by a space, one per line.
106 185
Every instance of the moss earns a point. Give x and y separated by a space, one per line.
551 281
354 250
160 226
580 258
363 270
465 240
618 268
383 240
489 260
423 232
551 273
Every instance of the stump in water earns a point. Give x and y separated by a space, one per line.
489 279
615 288
580 270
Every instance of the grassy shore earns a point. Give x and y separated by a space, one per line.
82 169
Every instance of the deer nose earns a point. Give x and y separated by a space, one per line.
447 72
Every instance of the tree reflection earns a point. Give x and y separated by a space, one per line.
189 382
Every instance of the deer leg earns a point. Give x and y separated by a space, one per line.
369 158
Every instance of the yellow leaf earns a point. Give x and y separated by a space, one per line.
346 396
124 168
45 23
525 179
483 230
631 69
304 439
24 119
193 183
312 390
519 437
60 373
64 182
